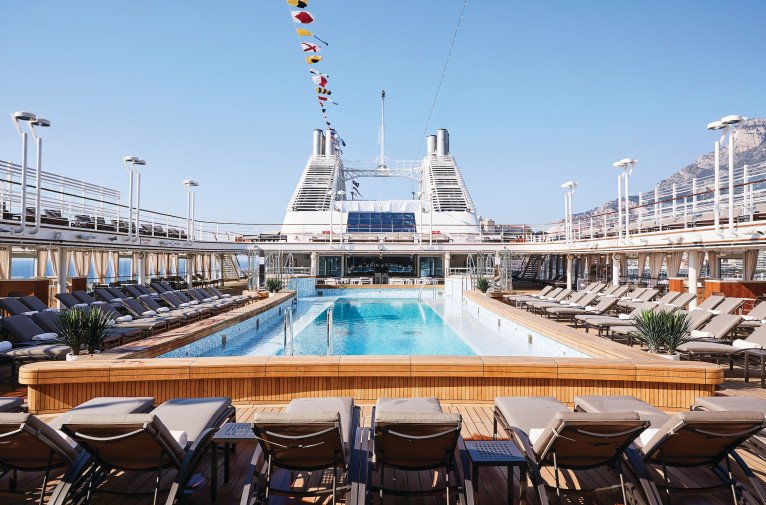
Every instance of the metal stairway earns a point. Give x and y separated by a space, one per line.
531 268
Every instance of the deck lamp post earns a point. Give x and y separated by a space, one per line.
726 124
189 184
131 162
420 217
430 218
627 165
18 118
42 123
341 194
332 210
570 187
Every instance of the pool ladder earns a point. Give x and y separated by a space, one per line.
288 330
329 331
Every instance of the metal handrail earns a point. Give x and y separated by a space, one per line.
288 329
329 331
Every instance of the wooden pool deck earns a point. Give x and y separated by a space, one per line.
477 425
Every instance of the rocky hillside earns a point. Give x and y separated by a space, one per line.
750 142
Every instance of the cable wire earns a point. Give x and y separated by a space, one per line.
441 80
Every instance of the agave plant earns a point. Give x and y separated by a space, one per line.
78 327
482 284
661 331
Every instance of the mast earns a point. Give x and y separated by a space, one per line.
382 164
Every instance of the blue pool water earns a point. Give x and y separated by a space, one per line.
379 326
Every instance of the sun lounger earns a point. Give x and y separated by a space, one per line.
714 331
83 297
686 439
35 303
542 292
618 293
11 404
49 321
757 444
196 303
204 298
604 323
13 307
569 313
139 312
28 444
551 436
556 294
69 300
415 434
681 301
145 325
718 348
174 301
186 315
710 303
754 318
583 300
646 295
728 306
176 435
695 318
310 434
242 298
566 296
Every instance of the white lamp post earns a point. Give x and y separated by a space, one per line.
342 195
189 184
332 210
627 165
431 218
27 117
420 217
727 125
133 161
42 123
569 186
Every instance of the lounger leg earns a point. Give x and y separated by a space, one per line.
45 478
334 484
665 475
13 480
556 473
158 479
622 482
446 478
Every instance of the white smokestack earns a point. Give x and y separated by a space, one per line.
442 142
329 147
431 145
316 149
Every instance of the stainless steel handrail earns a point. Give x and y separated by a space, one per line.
329 331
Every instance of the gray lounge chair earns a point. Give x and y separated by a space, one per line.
551 436
687 440
139 312
583 299
720 349
69 300
728 306
681 301
554 296
240 298
571 297
28 444
13 307
695 318
710 303
714 331
754 318
605 323
310 434
175 302
35 303
647 295
542 292
569 313
186 315
177 434
414 434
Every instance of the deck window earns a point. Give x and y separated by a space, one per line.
381 222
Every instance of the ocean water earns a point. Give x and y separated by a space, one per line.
24 268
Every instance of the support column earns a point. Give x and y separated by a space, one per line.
694 268
616 270
61 273
446 264
141 257
569 271
189 268
314 264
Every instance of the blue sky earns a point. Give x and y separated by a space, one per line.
536 93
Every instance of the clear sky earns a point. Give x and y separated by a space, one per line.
537 93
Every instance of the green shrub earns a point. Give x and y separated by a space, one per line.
661 330
274 285
482 284
78 328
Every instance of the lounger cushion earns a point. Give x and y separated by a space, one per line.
39 352
582 420
9 404
708 420
106 405
343 405
623 403
11 422
192 415
705 347
527 413
729 403
422 405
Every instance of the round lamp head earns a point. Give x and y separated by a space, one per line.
190 183
41 122
569 185
732 119
129 159
139 162
619 164
716 125
23 116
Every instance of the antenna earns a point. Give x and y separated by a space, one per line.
382 163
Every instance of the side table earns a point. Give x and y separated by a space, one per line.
497 453
755 354
228 435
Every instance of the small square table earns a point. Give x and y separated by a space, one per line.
497 453
228 435
756 354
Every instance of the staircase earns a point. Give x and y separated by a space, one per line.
530 268
231 271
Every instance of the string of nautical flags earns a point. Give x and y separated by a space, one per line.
311 45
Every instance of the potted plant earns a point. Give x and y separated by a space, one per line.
274 285
71 331
482 284
662 332
78 328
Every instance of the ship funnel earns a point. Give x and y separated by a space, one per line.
317 143
431 145
442 142
329 147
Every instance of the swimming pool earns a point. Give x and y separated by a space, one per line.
378 326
